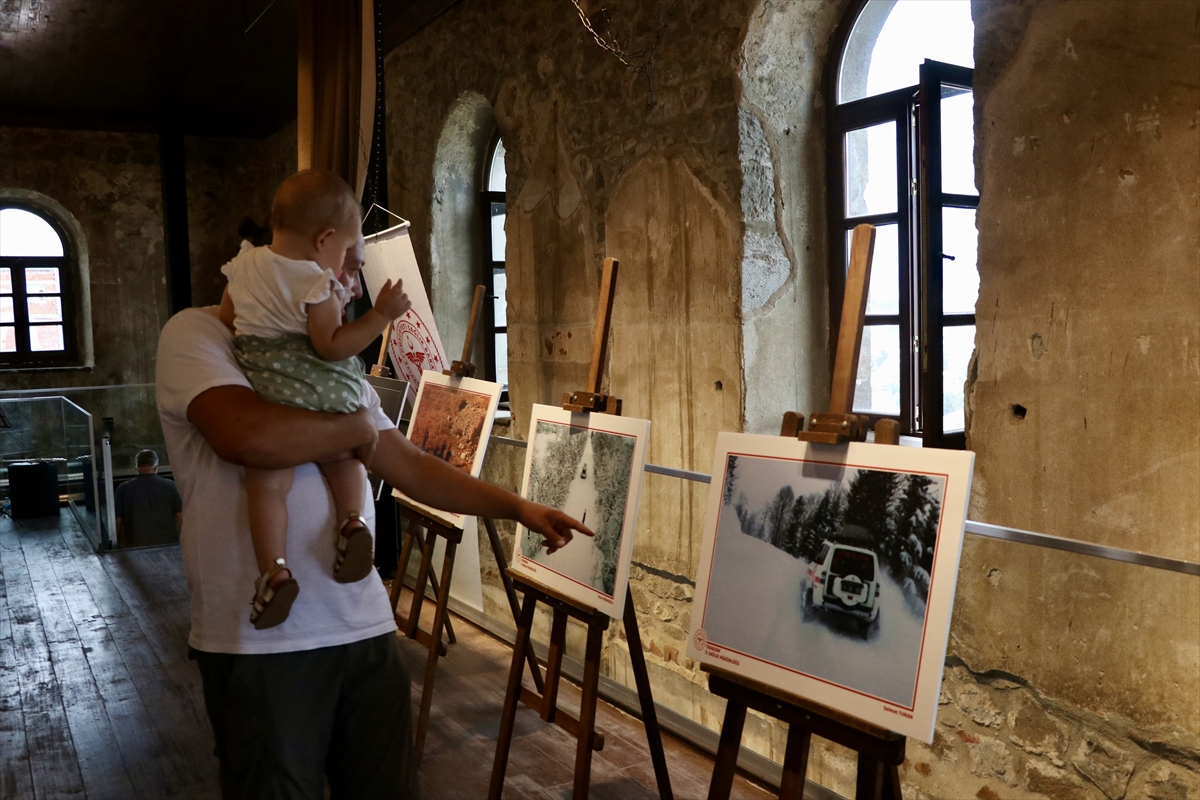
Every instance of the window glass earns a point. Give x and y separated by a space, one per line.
8 339
6 310
891 45
498 216
5 281
960 276
23 233
42 280
957 345
871 170
958 141
44 309
502 359
877 389
500 302
884 295
46 338
496 175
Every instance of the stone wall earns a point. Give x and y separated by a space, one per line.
109 183
228 179
1068 676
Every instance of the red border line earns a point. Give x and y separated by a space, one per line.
936 551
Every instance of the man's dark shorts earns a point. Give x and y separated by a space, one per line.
286 721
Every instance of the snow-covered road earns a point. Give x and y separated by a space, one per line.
756 606
579 560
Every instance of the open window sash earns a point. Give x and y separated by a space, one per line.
948 281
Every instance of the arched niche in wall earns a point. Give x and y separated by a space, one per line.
75 249
456 246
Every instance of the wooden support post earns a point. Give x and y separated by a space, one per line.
463 368
379 368
838 425
590 399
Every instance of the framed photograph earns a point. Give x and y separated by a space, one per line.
589 466
452 419
829 572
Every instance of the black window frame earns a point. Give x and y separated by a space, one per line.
488 267
916 111
24 357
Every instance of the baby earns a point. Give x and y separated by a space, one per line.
284 303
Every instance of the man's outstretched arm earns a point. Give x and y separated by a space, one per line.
246 430
431 481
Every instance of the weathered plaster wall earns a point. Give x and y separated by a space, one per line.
228 179
456 245
785 301
109 182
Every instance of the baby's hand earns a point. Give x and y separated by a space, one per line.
392 302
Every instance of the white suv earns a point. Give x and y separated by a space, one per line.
844 580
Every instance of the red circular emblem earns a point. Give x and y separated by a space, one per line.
412 348
700 639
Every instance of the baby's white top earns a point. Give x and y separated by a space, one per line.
270 292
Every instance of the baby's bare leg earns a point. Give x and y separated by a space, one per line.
267 491
347 480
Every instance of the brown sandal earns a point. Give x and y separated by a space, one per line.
272 604
355 551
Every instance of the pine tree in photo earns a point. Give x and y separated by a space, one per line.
730 480
869 505
777 515
825 521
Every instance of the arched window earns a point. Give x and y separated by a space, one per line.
37 299
495 317
901 158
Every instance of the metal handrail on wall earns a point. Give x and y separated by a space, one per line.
984 529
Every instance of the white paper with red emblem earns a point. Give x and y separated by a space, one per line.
414 345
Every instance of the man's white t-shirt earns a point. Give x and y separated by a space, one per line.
270 292
195 354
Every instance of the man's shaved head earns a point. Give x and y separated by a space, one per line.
313 201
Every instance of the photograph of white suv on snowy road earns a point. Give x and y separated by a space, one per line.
824 569
844 581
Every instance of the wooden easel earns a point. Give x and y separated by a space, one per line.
545 700
880 751
424 532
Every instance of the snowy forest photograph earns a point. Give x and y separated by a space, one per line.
585 473
825 569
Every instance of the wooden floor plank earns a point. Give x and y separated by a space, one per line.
132 741
165 682
16 779
53 761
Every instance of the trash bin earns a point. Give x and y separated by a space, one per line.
33 489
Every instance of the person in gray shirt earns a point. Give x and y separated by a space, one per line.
149 509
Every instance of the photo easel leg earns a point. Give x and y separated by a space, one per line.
545 702
508 716
727 750
880 752
637 659
511 593
439 620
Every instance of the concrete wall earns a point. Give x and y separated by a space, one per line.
228 179
109 183
1067 676
107 187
